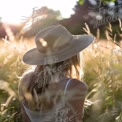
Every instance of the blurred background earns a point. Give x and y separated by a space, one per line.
19 22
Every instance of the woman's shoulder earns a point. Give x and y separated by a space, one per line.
77 90
78 87
26 78
27 75
75 83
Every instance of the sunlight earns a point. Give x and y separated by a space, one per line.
15 11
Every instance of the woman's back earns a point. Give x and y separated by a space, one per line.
64 101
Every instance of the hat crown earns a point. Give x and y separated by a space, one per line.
52 38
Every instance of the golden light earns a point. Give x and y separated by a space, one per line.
15 11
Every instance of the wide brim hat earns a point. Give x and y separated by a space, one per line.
55 44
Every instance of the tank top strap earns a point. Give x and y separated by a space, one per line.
66 86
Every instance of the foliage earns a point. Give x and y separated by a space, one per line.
97 14
11 68
81 2
103 74
106 1
40 18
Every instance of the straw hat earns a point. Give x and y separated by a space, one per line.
55 44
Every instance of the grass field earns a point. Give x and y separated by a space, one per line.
102 73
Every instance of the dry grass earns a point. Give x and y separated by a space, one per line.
103 74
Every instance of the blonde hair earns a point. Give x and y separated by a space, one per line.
47 74
70 68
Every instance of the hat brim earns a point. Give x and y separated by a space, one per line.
79 43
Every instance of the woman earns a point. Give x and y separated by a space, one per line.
53 91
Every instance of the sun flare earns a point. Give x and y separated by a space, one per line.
16 11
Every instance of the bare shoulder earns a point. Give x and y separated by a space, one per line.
26 78
79 90
79 84
79 87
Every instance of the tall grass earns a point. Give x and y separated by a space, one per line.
103 75
11 68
